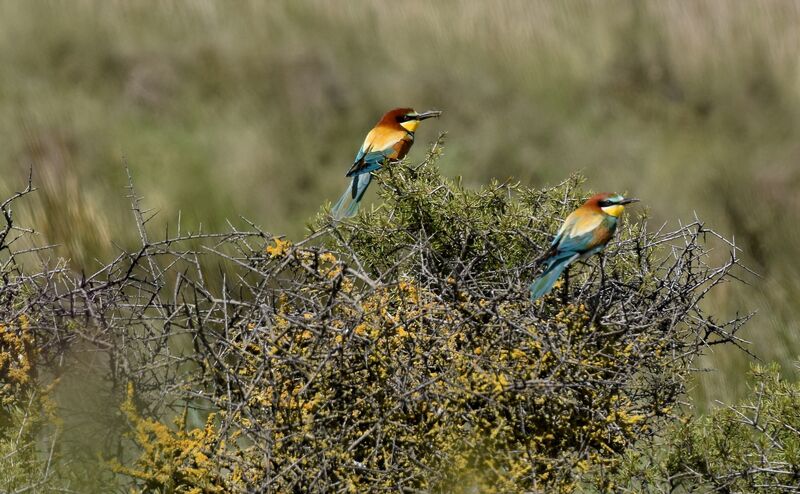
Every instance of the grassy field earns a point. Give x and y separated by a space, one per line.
258 110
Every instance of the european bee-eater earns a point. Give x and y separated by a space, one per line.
389 140
585 232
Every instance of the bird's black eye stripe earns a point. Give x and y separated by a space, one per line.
605 203
403 118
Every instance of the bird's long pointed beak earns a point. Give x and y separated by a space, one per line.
628 201
428 114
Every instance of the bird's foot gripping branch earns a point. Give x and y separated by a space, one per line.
399 350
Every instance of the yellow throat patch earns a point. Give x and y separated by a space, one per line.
614 210
410 125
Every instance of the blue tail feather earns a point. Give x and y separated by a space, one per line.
354 193
352 209
555 266
336 210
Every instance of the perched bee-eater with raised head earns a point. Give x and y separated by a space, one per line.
388 141
585 232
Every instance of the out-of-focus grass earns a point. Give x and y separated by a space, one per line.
257 108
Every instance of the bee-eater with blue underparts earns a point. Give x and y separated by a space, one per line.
585 232
388 141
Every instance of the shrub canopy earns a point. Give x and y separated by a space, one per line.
399 350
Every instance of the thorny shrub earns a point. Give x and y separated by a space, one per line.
397 351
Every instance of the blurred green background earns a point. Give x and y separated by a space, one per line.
257 108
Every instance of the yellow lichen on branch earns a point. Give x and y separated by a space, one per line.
174 459
17 352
